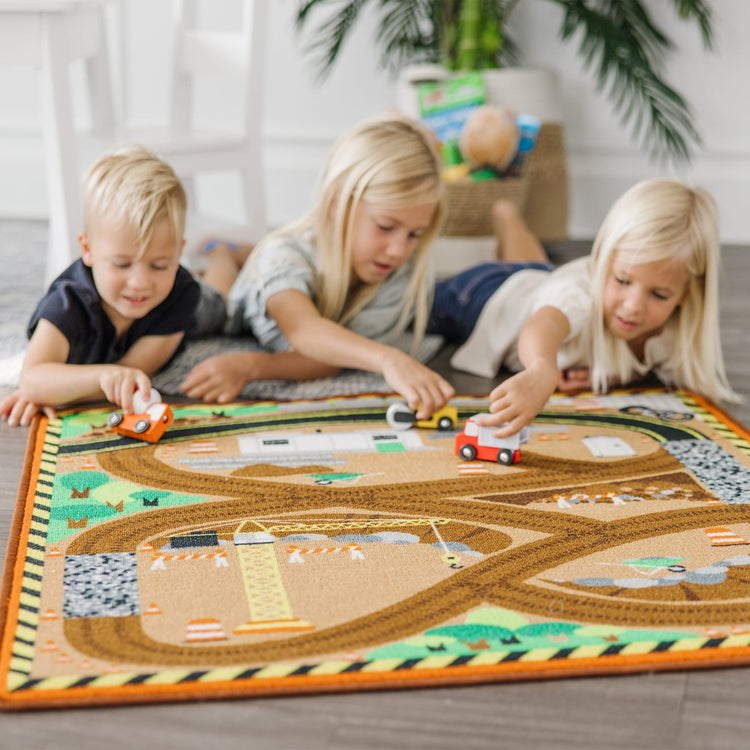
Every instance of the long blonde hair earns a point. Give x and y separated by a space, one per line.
389 161
657 220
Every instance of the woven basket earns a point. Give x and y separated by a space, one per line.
546 207
541 193
469 204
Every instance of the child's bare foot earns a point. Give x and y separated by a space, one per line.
223 265
238 253
515 241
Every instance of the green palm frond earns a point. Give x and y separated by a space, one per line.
700 13
618 43
407 33
330 35
625 50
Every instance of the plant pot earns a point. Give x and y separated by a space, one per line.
409 77
532 91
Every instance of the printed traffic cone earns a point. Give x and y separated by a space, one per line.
715 633
203 446
205 629
721 537
152 609
470 468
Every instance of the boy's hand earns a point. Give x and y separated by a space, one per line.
119 383
221 378
519 399
19 411
422 388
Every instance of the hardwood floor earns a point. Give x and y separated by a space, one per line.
694 710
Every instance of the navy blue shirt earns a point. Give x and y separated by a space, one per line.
73 305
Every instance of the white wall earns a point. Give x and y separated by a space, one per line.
302 117
603 161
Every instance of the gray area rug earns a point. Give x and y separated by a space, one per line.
23 250
347 383
23 245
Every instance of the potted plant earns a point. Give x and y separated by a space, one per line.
618 42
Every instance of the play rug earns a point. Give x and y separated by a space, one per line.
274 548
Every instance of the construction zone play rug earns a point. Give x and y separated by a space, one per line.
294 547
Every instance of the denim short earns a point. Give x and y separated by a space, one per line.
458 301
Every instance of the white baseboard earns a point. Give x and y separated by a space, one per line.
293 162
597 177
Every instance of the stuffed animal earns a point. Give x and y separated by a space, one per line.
489 138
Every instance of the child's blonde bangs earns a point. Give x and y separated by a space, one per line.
662 219
403 184
135 187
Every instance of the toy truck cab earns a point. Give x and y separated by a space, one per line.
400 417
443 419
475 441
148 426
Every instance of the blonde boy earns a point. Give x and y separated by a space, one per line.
118 313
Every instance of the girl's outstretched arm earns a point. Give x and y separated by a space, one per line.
221 378
521 397
319 338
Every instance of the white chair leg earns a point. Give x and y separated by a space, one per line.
254 201
100 81
191 192
60 147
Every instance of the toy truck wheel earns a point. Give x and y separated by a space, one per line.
114 419
468 452
504 456
399 417
445 423
141 426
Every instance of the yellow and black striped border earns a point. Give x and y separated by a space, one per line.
31 586
676 653
721 423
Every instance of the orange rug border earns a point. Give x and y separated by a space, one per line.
257 687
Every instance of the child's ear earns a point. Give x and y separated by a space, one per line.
85 244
